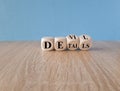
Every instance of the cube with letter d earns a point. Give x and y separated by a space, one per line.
47 43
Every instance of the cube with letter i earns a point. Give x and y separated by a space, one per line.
72 42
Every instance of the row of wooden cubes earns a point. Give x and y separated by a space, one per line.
70 42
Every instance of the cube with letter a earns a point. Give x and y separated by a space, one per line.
72 42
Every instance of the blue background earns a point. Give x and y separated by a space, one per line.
33 19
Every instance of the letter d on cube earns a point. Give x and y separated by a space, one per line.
47 43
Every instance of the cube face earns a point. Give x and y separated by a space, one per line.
72 42
85 42
60 43
85 45
47 43
85 37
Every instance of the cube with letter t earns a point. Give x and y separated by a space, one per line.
72 42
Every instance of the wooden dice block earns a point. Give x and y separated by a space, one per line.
47 43
85 42
72 42
60 43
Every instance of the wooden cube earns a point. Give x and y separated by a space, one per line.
47 43
60 43
72 42
85 42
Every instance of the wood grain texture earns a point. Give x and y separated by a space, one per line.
25 67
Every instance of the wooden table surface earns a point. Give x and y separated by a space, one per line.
25 67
